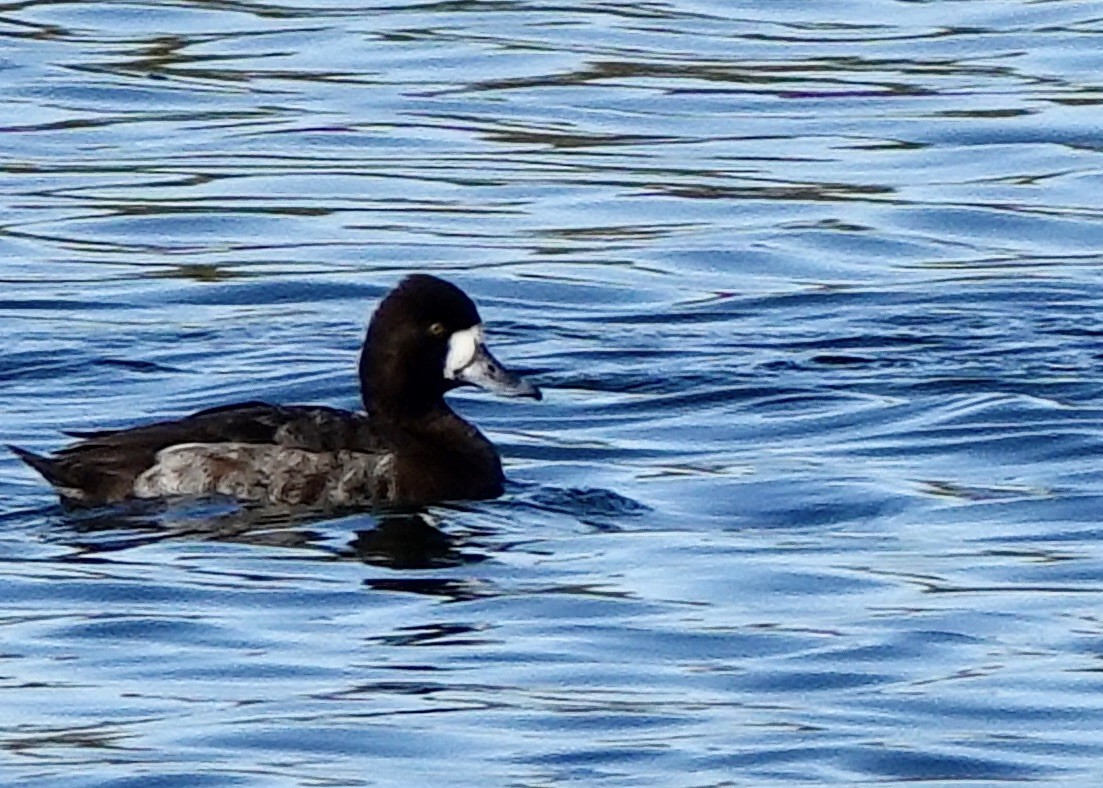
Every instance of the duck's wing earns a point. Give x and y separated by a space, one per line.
310 427
104 466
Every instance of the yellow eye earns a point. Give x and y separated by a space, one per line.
437 329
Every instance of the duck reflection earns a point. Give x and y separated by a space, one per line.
392 539
411 541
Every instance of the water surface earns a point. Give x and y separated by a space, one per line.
813 292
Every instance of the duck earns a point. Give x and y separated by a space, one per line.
407 448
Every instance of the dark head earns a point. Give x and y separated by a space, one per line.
426 338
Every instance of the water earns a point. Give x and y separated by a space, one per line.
813 291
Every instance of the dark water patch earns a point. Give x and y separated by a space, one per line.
904 765
135 365
288 292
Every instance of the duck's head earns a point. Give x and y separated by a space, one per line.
425 339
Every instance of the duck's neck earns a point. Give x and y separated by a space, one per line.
395 389
416 418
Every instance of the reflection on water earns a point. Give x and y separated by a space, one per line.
396 540
812 290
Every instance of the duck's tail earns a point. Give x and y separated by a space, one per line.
50 469
65 477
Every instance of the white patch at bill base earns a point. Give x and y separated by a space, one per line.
463 346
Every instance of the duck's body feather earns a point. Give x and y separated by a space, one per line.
268 474
254 452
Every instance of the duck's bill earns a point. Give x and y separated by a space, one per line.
469 361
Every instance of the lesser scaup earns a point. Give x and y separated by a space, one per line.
408 448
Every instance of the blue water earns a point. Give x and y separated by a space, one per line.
813 291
